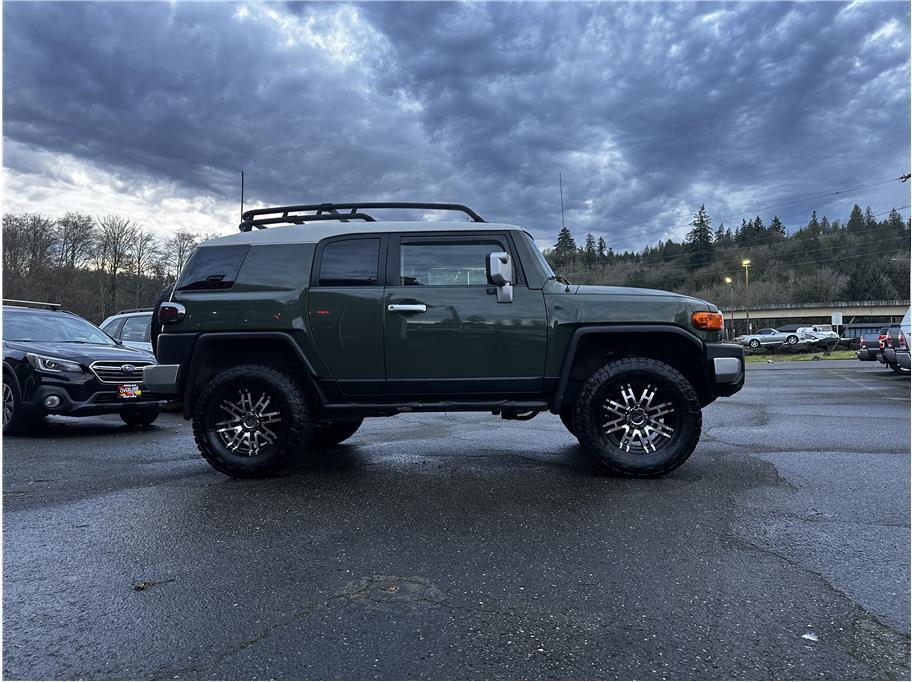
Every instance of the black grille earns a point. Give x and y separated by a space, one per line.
119 372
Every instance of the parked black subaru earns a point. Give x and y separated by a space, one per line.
55 362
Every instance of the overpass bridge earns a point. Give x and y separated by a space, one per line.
774 315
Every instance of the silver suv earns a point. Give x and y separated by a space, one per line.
130 326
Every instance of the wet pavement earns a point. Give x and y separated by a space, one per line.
465 546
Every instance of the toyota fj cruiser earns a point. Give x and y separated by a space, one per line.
282 339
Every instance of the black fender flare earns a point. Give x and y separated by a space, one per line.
605 330
8 369
209 338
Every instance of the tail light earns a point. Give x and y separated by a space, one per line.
902 341
888 342
170 313
864 344
882 340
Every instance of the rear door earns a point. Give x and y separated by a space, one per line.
445 332
345 310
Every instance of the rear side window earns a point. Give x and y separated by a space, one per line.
350 263
136 328
275 267
212 267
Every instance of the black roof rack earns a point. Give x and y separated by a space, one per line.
31 304
308 212
133 310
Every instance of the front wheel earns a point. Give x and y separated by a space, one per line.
638 417
332 433
252 421
792 340
15 420
754 343
140 416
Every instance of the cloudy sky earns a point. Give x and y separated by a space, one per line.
151 110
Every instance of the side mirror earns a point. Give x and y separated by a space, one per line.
500 274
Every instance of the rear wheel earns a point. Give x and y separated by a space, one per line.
639 417
140 416
252 421
332 433
792 340
898 369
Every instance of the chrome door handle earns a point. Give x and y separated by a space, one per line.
407 308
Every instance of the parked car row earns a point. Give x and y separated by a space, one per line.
889 346
774 337
55 362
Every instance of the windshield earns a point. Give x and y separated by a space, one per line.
541 259
30 326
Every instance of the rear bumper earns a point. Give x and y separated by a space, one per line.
162 379
902 359
725 363
889 356
868 355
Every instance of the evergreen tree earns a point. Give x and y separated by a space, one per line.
825 226
776 228
601 248
856 220
565 249
813 226
700 239
590 254
870 222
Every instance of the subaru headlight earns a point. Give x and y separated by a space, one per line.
49 364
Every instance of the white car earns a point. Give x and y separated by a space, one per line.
818 332
132 327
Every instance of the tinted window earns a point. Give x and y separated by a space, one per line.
136 328
350 263
446 263
275 266
212 267
110 328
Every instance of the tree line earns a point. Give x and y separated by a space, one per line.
865 257
92 266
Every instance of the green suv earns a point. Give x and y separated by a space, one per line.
284 339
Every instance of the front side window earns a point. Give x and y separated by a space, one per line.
439 263
136 328
350 263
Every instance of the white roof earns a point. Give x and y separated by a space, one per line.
307 233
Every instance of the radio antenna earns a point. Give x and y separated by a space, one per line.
242 195
560 180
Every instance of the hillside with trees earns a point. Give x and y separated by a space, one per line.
865 257
92 266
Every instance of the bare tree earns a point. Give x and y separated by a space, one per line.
117 235
142 251
177 250
76 237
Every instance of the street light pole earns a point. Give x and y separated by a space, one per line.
731 308
746 263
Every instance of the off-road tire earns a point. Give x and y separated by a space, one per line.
669 385
19 422
286 396
754 343
140 416
566 416
332 433
896 368
791 339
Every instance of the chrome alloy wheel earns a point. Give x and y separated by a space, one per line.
247 430
635 423
8 404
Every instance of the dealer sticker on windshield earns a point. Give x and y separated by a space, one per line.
129 390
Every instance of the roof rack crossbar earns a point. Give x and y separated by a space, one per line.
330 211
32 304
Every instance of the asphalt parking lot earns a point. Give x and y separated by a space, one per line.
464 546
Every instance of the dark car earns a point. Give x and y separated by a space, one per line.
55 362
896 347
284 339
871 345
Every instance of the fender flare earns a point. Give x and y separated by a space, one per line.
208 338
607 330
8 369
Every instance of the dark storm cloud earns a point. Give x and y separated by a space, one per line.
647 109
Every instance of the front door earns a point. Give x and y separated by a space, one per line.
445 332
